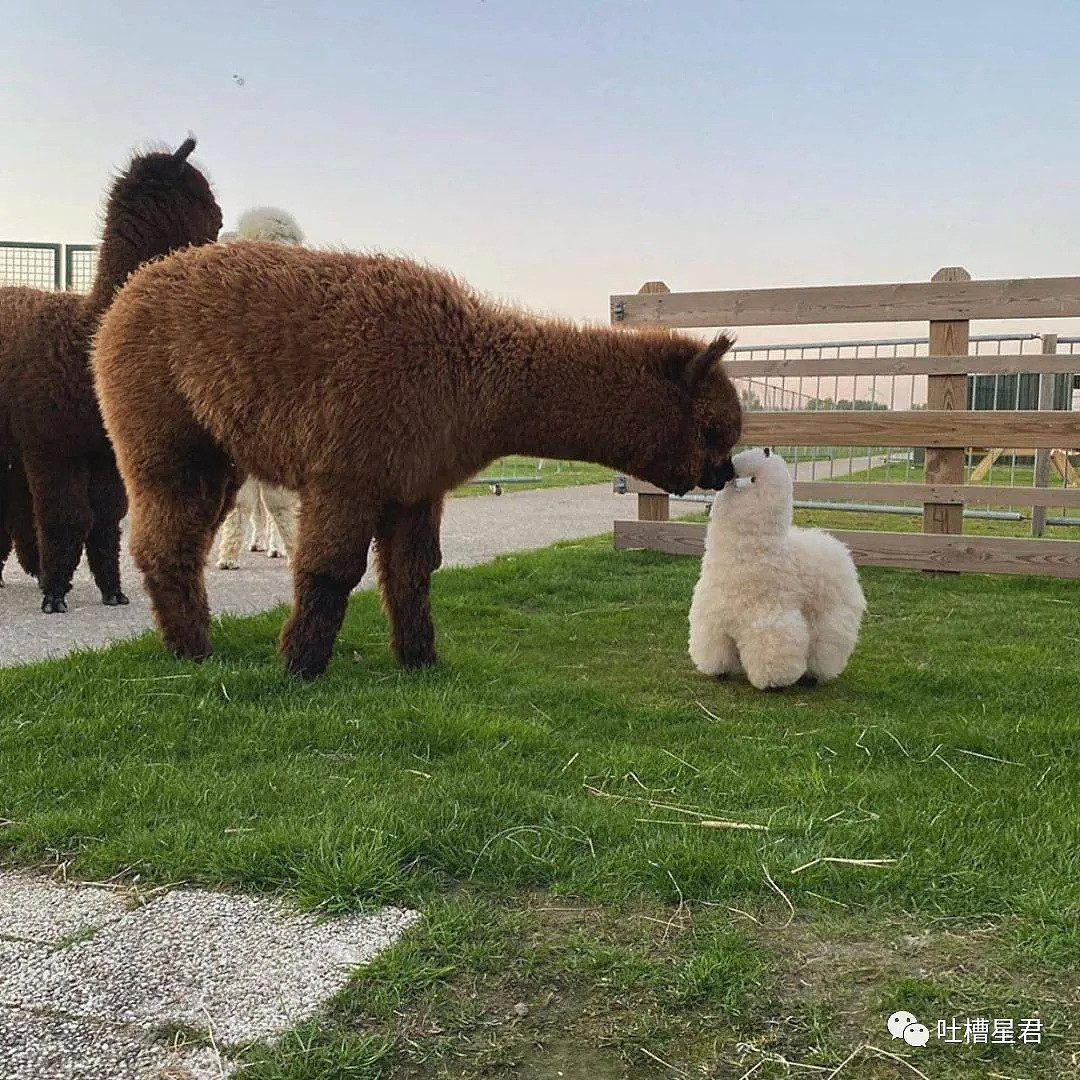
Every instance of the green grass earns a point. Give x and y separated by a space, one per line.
560 759
900 472
528 472
910 523
897 472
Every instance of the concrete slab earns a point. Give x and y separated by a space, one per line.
235 967
36 1046
36 908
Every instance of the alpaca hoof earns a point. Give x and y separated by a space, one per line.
256 546
779 688
808 680
304 658
196 652
227 564
774 685
413 659
273 553
114 599
306 667
53 604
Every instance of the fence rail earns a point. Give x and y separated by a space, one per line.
939 428
969 494
915 551
937 301
961 384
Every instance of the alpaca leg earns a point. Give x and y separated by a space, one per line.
20 521
173 517
279 508
713 651
408 552
257 518
5 530
60 491
108 500
330 559
232 540
774 649
831 646
234 481
232 529
275 546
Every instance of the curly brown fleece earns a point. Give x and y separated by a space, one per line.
372 386
53 447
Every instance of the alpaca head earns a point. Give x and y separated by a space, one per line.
160 203
698 454
268 223
758 500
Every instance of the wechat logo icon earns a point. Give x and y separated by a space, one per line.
905 1025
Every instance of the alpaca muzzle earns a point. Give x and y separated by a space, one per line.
715 476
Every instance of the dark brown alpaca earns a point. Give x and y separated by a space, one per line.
372 386
16 519
53 449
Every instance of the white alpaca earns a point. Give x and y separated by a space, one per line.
781 603
270 511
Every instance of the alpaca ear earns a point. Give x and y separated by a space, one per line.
767 451
701 364
178 159
182 152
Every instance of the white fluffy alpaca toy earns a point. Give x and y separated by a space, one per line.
781 603
263 506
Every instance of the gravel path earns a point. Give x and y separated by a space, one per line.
475 530
95 983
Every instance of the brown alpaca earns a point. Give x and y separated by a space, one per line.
372 386
53 447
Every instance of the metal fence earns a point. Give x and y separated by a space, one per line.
39 266
47 266
80 263
906 392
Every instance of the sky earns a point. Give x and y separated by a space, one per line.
552 153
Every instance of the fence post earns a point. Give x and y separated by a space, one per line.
1042 455
653 507
945 465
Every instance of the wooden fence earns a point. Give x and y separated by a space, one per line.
949 301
